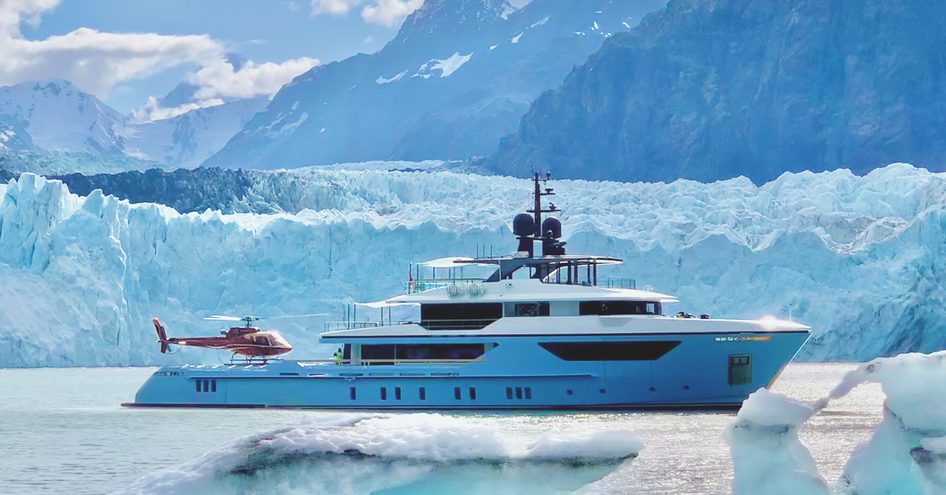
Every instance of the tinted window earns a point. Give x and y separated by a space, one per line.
619 308
610 351
459 316
405 352
527 309
740 369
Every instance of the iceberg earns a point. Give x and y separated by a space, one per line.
399 454
906 453
859 258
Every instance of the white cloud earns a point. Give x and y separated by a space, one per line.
152 109
335 7
92 60
389 12
384 12
221 80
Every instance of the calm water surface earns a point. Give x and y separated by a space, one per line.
63 431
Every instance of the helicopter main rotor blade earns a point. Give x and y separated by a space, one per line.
310 315
223 318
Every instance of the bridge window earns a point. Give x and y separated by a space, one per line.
610 351
527 309
740 369
472 316
619 308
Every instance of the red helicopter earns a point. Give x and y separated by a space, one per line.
247 341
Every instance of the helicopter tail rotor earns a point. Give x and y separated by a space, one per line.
162 335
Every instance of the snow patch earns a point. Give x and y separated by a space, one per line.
396 77
515 39
446 66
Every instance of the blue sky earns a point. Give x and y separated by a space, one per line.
165 51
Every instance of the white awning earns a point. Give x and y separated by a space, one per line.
385 304
452 262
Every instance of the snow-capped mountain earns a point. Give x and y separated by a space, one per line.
57 116
861 259
190 138
457 77
53 127
717 89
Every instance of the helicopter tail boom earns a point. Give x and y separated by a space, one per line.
162 335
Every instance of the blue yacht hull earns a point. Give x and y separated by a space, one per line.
709 370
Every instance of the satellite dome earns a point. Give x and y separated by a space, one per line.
523 225
553 225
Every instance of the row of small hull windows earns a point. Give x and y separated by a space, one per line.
740 373
206 385
518 393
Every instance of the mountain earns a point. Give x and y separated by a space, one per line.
57 116
52 127
456 78
860 259
710 89
188 139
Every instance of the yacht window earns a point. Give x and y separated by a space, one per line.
198 385
384 393
422 352
422 393
610 351
527 309
619 308
459 316
378 352
351 393
740 369
213 385
509 392
528 392
397 393
456 393
346 353
472 393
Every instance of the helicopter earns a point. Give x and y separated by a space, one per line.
248 341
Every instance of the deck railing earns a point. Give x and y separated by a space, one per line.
425 284
620 283
348 325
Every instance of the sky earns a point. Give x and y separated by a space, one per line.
126 52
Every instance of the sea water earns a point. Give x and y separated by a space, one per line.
63 431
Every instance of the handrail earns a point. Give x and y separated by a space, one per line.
424 284
349 325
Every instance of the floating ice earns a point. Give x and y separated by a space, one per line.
410 454
905 455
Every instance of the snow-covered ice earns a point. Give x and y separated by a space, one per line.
905 455
861 259
398 454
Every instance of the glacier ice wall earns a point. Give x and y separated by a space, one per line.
861 259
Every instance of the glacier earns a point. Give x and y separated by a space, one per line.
906 453
859 258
